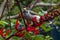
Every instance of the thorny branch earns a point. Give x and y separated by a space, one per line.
17 16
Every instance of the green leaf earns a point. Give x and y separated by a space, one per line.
1 38
2 23
15 38
37 37
40 13
46 29
48 37
27 35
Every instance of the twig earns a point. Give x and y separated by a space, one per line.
14 16
33 4
3 5
45 4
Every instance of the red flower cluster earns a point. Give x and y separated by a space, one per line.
43 18
1 31
7 32
35 23
32 28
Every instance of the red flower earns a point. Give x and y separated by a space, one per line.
29 29
36 24
32 28
16 25
19 34
42 18
1 31
7 32
36 31
46 15
34 19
